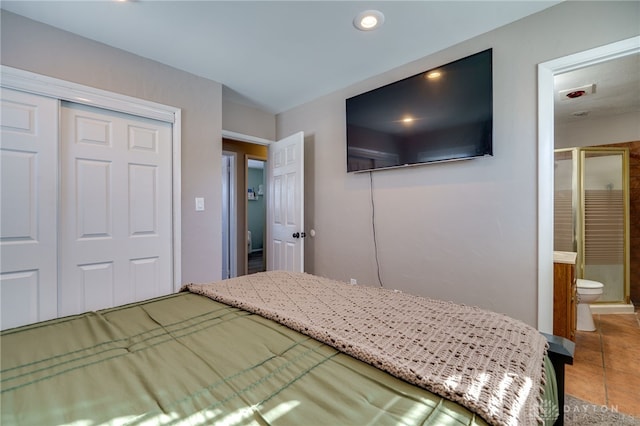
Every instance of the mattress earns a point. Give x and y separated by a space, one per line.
187 359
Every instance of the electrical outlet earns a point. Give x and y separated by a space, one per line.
354 281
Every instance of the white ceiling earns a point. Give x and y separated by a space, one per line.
277 55
612 87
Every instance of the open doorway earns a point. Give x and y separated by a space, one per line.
546 144
235 192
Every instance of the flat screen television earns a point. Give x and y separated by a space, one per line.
442 114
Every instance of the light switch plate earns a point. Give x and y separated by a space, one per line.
199 204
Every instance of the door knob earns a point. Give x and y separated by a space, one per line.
296 235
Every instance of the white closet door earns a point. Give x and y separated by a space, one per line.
115 210
28 188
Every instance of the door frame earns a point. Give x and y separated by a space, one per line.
25 81
546 73
231 215
227 134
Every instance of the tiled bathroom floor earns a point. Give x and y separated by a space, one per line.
606 365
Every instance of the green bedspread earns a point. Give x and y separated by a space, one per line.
186 359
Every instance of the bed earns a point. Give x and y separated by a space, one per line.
278 348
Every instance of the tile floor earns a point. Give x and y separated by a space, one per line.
606 365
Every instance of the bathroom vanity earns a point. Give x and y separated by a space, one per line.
565 296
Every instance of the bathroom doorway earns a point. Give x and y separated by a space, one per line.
256 214
235 193
546 137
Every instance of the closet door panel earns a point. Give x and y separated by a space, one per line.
93 199
116 230
28 216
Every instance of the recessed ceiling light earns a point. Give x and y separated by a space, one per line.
368 20
434 75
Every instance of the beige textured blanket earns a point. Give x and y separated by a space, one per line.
487 362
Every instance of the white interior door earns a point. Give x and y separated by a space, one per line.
28 188
115 209
285 212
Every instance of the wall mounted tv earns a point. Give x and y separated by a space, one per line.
442 114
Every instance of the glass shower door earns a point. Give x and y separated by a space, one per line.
605 221
565 200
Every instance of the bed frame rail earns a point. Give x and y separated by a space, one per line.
560 352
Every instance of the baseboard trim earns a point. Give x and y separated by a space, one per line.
612 308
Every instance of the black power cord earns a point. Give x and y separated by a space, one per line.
373 225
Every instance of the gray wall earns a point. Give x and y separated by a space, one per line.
42 49
463 231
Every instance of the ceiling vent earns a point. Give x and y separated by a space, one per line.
580 113
577 92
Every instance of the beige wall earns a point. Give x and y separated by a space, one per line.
248 120
463 231
42 49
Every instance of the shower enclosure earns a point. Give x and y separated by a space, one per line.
591 215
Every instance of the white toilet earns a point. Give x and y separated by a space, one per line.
588 292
